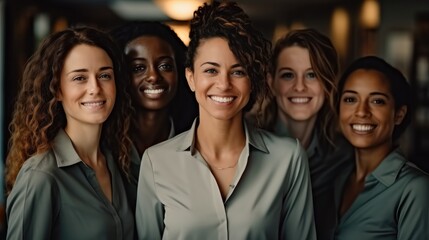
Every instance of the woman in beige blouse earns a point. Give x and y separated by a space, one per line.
223 179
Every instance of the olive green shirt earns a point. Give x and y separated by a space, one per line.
57 196
394 203
269 197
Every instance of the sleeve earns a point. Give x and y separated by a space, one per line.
413 210
297 212
149 210
32 206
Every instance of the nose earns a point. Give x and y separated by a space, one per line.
299 85
93 86
362 110
223 82
152 75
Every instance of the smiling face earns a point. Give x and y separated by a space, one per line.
367 110
298 91
87 87
221 85
154 72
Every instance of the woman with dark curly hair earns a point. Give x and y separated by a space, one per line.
164 104
223 179
383 196
303 82
68 142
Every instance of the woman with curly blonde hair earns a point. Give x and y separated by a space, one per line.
68 142
223 179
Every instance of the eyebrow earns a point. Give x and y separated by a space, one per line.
371 94
218 65
86 70
159 58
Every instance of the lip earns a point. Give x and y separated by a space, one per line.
222 99
363 128
153 91
94 104
300 100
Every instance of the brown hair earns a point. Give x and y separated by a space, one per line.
38 116
227 20
325 64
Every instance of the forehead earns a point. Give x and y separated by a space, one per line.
148 44
215 50
367 81
84 56
294 55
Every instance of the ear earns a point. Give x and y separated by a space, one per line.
190 78
400 114
270 81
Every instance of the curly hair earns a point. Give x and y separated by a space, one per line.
399 87
38 115
227 20
183 107
325 64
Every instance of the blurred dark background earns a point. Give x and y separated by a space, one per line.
396 30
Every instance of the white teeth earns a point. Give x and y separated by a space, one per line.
153 91
363 127
93 104
222 99
300 100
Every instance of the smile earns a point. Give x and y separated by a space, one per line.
363 127
222 99
154 91
300 99
93 104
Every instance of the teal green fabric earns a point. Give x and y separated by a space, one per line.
393 205
269 197
57 196
325 163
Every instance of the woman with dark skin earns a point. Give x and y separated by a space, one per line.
383 196
164 105
68 142
223 179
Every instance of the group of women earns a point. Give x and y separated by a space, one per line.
141 137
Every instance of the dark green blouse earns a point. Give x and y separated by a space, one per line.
57 196
394 203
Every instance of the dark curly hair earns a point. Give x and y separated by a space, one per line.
399 87
38 115
227 20
183 107
325 64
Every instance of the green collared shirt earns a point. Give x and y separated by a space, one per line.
394 203
57 196
269 197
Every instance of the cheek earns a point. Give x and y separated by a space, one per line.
282 87
135 81
343 115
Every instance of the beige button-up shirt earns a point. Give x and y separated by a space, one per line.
269 197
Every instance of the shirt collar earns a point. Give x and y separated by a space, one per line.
253 137
389 168
64 151
172 129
